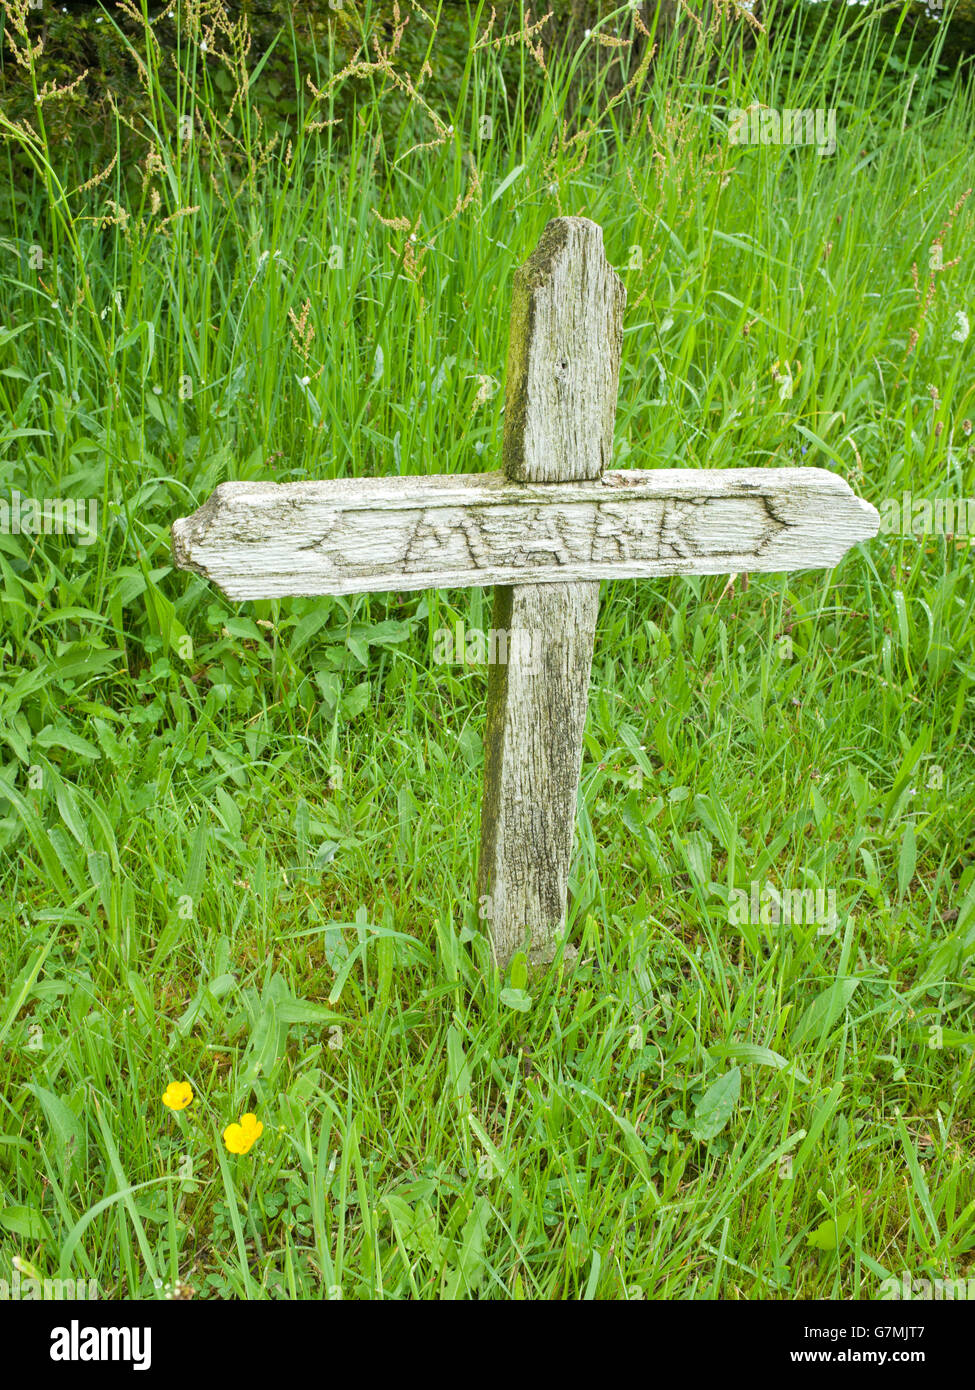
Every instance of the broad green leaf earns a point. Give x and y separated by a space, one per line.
516 999
817 1020
26 1222
715 1108
305 1011
751 1052
906 860
519 970
356 701
458 1071
59 736
67 1129
829 1233
196 864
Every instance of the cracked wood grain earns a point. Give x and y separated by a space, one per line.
268 540
563 365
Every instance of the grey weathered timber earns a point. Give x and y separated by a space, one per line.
563 369
536 715
544 532
350 535
562 380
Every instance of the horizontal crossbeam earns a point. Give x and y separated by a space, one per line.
344 536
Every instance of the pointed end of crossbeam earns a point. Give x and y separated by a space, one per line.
186 533
180 543
868 518
859 518
822 518
811 519
855 519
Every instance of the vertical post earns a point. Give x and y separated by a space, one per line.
562 379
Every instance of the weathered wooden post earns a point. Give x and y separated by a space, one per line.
544 532
562 380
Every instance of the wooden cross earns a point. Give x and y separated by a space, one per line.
544 531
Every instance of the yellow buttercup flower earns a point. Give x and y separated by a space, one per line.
240 1138
177 1095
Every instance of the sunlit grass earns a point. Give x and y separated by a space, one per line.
239 843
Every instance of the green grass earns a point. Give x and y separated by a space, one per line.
239 842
